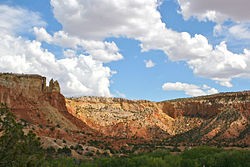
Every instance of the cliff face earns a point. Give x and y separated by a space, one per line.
222 118
14 86
121 118
216 118
15 89
208 106
40 106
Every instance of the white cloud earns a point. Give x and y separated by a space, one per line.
16 20
95 19
78 75
119 94
205 86
222 65
217 11
241 31
142 21
86 23
101 51
149 63
42 35
189 89
220 11
69 53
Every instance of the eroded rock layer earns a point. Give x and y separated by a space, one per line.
40 108
114 122
216 118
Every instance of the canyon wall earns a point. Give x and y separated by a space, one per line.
208 106
216 118
220 118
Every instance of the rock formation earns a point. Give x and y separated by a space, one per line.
53 86
19 91
41 108
216 118
114 122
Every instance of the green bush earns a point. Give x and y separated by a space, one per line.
17 148
196 157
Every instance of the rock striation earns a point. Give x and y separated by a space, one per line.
117 123
37 105
18 89
220 118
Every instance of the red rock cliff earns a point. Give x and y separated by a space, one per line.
41 108
218 118
22 90
208 106
221 118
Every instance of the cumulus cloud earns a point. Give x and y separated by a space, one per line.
78 73
142 21
100 51
95 19
222 65
219 12
16 20
149 63
86 24
189 89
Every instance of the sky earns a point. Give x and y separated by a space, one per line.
151 49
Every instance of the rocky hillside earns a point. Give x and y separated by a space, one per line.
42 109
222 118
117 123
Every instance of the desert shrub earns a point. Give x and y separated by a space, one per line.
17 148
65 151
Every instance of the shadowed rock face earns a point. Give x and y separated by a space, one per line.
221 118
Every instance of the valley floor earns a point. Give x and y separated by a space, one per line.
196 157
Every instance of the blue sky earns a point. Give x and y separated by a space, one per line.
154 50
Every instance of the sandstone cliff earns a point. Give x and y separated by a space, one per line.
39 107
117 123
31 87
221 118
